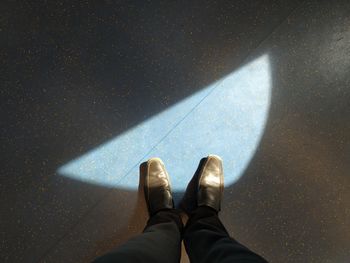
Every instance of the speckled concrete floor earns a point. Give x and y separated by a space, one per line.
75 75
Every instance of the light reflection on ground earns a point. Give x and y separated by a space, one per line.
226 118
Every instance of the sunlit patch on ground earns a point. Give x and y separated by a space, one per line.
226 118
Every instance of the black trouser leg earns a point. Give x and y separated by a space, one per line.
206 240
159 242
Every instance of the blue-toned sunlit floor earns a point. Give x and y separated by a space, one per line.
226 118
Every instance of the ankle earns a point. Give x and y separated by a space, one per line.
206 211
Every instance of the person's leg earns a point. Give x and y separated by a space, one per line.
161 238
206 240
205 237
159 242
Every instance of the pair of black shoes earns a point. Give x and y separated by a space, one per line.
205 189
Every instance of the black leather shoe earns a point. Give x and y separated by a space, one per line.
211 183
157 187
206 186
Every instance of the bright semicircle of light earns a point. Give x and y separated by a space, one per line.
226 118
